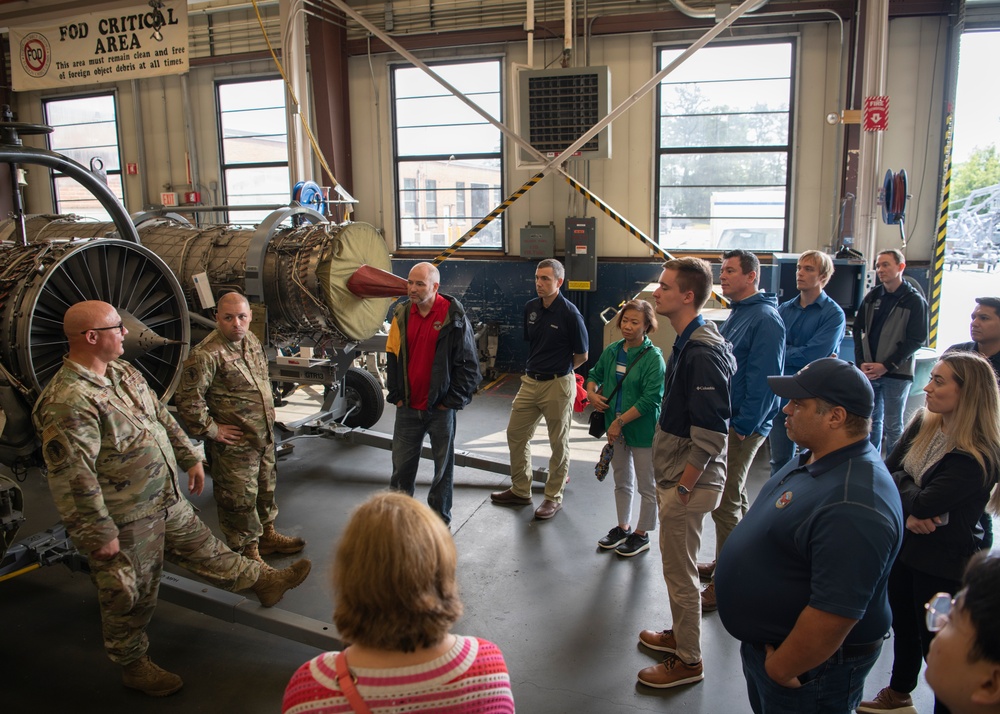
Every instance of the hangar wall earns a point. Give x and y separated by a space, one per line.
916 67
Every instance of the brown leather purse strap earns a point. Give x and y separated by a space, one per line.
346 681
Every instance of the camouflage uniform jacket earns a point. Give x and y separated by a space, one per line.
112 450
227 382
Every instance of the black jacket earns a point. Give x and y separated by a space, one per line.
954 485
456 360
904 331
694 418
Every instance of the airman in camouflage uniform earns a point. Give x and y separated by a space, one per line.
225 398
112 452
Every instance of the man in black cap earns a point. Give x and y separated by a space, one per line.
817 546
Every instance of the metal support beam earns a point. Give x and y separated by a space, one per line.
381 440
875 50
331 98
232 607
54 546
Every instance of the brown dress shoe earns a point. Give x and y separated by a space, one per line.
889 700
547 510
706 570
673 672
662 641
509 498
708 599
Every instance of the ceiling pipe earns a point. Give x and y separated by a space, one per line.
567 32
712 14
529 26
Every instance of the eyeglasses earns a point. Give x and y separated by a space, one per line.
120 327
939 611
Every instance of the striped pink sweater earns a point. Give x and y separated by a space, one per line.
471 678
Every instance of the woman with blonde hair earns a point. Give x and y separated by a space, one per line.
945 465
396 599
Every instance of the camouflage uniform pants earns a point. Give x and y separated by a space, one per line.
243 480
127 585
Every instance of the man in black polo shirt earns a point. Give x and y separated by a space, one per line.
985 332
801 582
558 344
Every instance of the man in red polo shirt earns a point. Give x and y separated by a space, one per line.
433 370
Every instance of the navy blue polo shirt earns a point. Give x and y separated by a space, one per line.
822 534
554 335
994 360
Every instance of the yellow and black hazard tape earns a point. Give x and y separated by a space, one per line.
471 233
620 220
937 272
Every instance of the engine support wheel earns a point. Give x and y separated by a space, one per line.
364 398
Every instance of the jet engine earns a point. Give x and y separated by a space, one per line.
299 274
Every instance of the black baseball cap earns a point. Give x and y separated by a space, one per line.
832 380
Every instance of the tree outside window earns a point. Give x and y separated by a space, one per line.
723 150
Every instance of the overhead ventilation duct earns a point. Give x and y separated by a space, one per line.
557 106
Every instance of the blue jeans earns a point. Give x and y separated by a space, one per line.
408 441
887 419
783 449
834 687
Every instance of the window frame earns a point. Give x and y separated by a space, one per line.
788 148
53 174
439 224
225 166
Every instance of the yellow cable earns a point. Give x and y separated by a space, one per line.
22 571
295 101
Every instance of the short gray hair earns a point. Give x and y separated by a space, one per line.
557 268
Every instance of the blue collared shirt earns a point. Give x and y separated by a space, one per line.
811 332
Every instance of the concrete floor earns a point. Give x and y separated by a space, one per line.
565 614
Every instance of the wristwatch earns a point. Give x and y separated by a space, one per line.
683 490
621 424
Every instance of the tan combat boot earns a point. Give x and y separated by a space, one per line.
272 584
273 542
251 552
150 679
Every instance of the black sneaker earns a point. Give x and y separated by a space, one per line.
633 545
615 537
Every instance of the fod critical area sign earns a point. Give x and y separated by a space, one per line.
110 46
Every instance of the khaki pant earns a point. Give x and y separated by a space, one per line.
680 540
735 501
553 400
128 584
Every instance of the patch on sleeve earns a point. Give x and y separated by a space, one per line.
191 374
56 447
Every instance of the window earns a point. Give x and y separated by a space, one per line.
431 194
410 198
84 129
254 149
723 147
442 146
